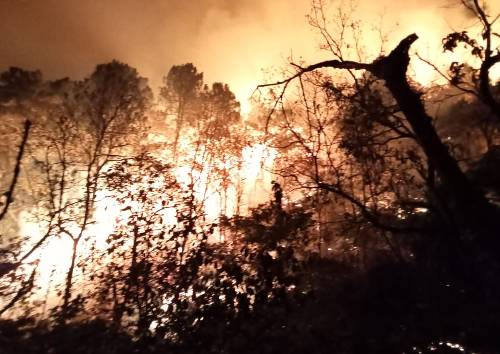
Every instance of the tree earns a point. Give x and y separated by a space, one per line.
18 84
180 92
219 132
9 194
469 208
207 121
9 261
98 121
22 97
487 55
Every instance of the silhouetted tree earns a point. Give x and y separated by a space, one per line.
180 93
96 122
469 209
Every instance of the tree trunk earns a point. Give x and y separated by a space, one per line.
471 210
69 282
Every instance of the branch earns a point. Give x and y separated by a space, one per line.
484 84
25 289
335 64
488 62
366 212
446 77
394 66
17 170
397 59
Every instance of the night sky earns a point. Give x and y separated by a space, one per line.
230 41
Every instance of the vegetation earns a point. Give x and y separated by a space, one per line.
380 233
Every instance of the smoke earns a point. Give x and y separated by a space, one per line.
229 40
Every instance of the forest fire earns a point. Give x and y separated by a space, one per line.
53 258
344 202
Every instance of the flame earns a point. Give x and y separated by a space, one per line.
253 178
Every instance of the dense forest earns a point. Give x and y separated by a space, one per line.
353 210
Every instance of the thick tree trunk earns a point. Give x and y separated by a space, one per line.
471 210
485 85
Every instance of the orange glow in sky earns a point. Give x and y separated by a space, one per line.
230 41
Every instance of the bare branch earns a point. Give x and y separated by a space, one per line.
17 169
335 64
368 214
446 77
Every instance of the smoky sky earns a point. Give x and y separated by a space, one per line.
229 40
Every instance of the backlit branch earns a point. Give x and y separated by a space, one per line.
335 64
465 199
17 169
